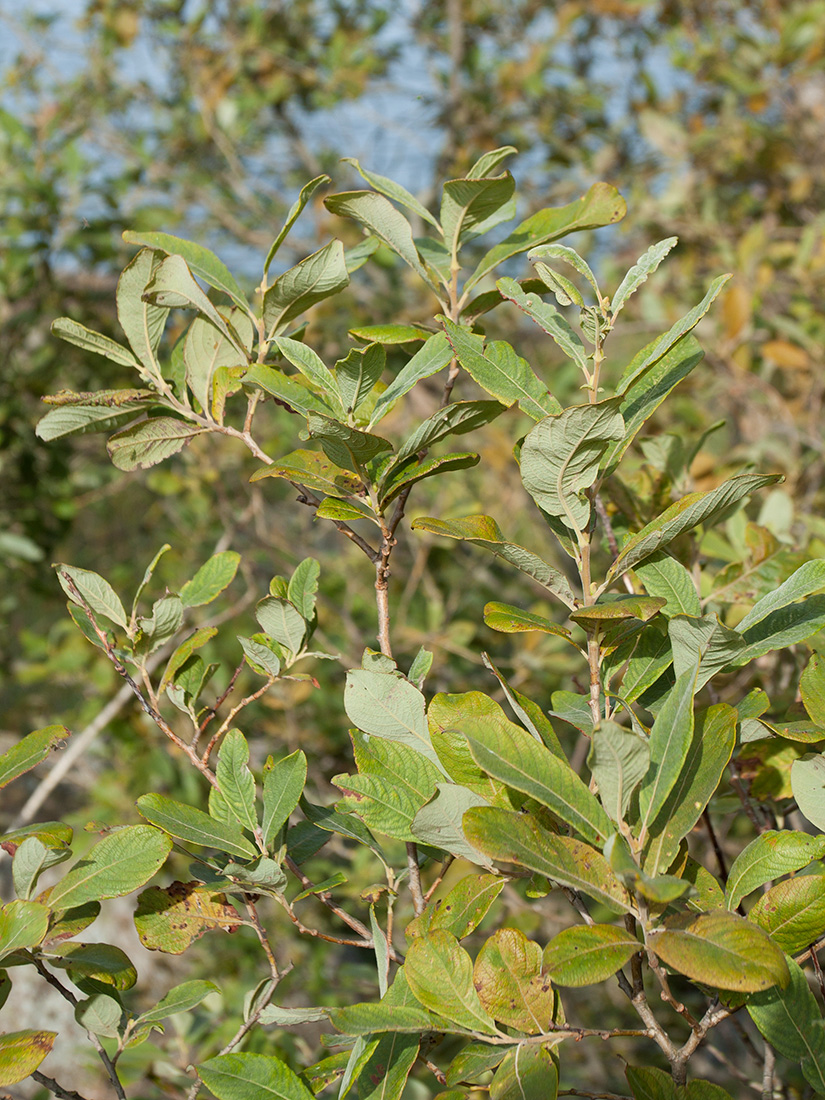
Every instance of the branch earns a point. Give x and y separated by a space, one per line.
53 1087
121 670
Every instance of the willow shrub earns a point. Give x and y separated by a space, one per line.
612 799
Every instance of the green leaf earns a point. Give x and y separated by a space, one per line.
381 218
601 205
282 621
194 826
440 822
432 357
261 657
357 374
387 705
512 620
30 751
484 531
721 950
21 1052
22 924
149 442
526 1073
673 335
240 1076
211 579
588 954
461 910
309 363
384 1074
117 865
560 458
501 372
447 716
649 1083
347 447
469 207
618 761
366 1018
771 625
411 472
306 193
173 286
395 781
644 396
184 651
612 608
100 1014
515 758
205 351
68 420
670 739
101 962
440 974
767 857
303 587
489 161
237 785
54 834
704 638
711 747
641 658
689 512
790 1019
393 191
472 1064
96 592
457 418
315 470
518 838
808 784
204 263
548 318
390 334
181 998
567 255
282 788
74 333
812 688
511 985
142 321
530 714
30 860
667 578
792 912
638 274
293 392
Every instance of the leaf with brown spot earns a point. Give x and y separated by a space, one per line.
170 919
508 979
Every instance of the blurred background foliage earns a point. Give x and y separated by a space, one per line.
204 118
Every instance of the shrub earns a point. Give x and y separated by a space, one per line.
601 810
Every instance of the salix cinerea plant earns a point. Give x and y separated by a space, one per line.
453 779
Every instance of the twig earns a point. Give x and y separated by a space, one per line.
213 710
717 849
121 670
325 899
53 1087
224 726
448 862
768 1066
93 1039
419 902
593 1095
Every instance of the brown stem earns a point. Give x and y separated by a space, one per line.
55 1088
325 899
415 878
717 848
219 702
448 862
224 726
67 995
768 1066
